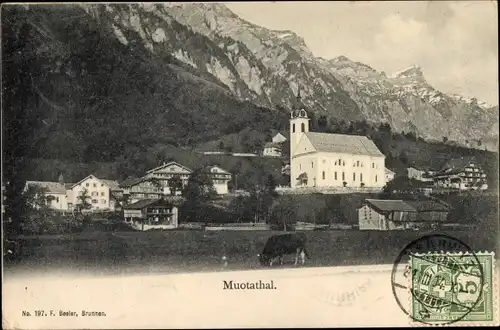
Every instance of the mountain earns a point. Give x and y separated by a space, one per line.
114 77
282 62
79 80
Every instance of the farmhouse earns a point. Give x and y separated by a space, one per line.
151 213
332 160
463 173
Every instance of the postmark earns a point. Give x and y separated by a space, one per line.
438 279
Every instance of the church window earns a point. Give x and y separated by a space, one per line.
335 175
354 177
293 128
303 127
323 175
343 176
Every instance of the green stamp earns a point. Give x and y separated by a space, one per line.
452 287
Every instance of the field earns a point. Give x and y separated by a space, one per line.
186 251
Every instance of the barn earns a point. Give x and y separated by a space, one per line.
381 214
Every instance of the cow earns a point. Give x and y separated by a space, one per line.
279 245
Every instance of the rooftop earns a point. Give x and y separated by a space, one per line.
342 143
388 205
51 187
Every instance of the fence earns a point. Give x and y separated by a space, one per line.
326 190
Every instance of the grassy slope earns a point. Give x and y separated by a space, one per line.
178 251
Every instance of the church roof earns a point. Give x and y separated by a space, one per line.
342 143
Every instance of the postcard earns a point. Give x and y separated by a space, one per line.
250 165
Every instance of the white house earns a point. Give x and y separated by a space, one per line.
332 160
220 178
274 148
389 175
100 193
54 191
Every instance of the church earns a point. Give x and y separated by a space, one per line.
332 160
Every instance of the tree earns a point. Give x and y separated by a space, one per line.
284 214
175 184
82 201
200 186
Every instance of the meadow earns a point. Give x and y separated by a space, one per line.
178 251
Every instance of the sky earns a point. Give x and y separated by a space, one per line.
455 43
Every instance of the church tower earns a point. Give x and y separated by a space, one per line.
299 124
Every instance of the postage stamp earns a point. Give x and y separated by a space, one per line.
452 287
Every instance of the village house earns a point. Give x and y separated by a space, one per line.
378 214
389 175
463 173
156 182
275 147
102 194
141 188
54 193
149 214
220 178
332 160
420 173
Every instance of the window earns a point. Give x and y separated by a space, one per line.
57 199
323 175
102 184
95 185
343 163
335 163
312 164
303 127
335 175
375 178
94 193
87 184
361 177
354 177
102 193
340 161
373 165
94 201
357 163
293 128
343 176
300 166
103 201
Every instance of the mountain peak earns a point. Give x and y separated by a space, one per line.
340 58
412 71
